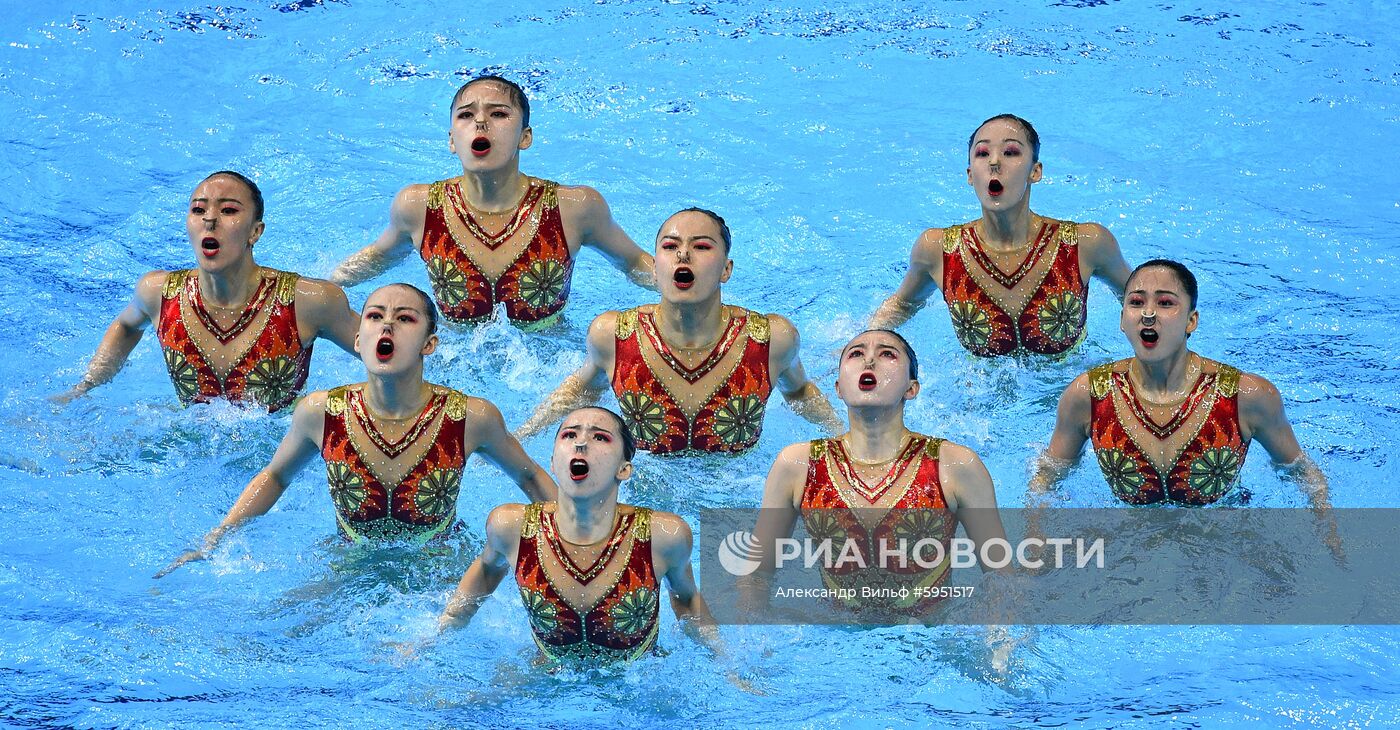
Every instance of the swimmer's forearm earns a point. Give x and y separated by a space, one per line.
112 353
893 312
1049 471
257 498
810 403
477 584
363 265
571 394
1309 477
643 274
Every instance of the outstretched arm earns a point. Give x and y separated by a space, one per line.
1067 441
671 544
503 450
585 386
921 280
777 516
327 309
406 217
489 568
297 447
802 395
1105 258
121 337
1263 419
598 230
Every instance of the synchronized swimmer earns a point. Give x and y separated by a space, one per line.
690 373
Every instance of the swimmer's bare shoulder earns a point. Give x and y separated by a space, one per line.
148 292
671 539
927 255
965 479
409 210
602 341
788 475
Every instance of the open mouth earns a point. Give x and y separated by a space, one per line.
684 278
209 246
384 349
867 381
578 469
481 146
1149 337
994 188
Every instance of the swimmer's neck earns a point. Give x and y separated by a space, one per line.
397 396
876 433
1007 229
1163 379
232 287
691 326
495 190
586 521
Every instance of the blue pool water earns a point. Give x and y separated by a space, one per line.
1253 140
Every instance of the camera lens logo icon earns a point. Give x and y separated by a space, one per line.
738 553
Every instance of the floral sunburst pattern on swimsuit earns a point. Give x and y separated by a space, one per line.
739 419
544 616
542 282
972 325
436 494
1121 473
644 416
182 375
449 283
822 525
1213 472
347 487
634 611
1059 316
273 380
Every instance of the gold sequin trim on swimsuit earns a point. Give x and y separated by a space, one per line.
818 450
435 195
174 283
1227 380
626 324
286 287
641 526
530 527
952 237
758 328
456 405
335 401
1101 380
931 450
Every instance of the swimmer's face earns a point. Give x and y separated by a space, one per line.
220 223
874 371
393 336
691 262
588 454
486 131
1157 314
999 165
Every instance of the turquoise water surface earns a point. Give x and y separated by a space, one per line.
1254 141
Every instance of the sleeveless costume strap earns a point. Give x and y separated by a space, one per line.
286 286
1101 380
626 323
952 237
641 524
757 327
1227 380
530 526
174 283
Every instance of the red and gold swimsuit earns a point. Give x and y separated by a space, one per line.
273 365
729 420
620 623
423 502
1207 462
534 287
1053 318
835 499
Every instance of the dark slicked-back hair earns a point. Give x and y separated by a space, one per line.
719 221
430 309
1031 135
629 442
252 189
908 350
517 96
1183 274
